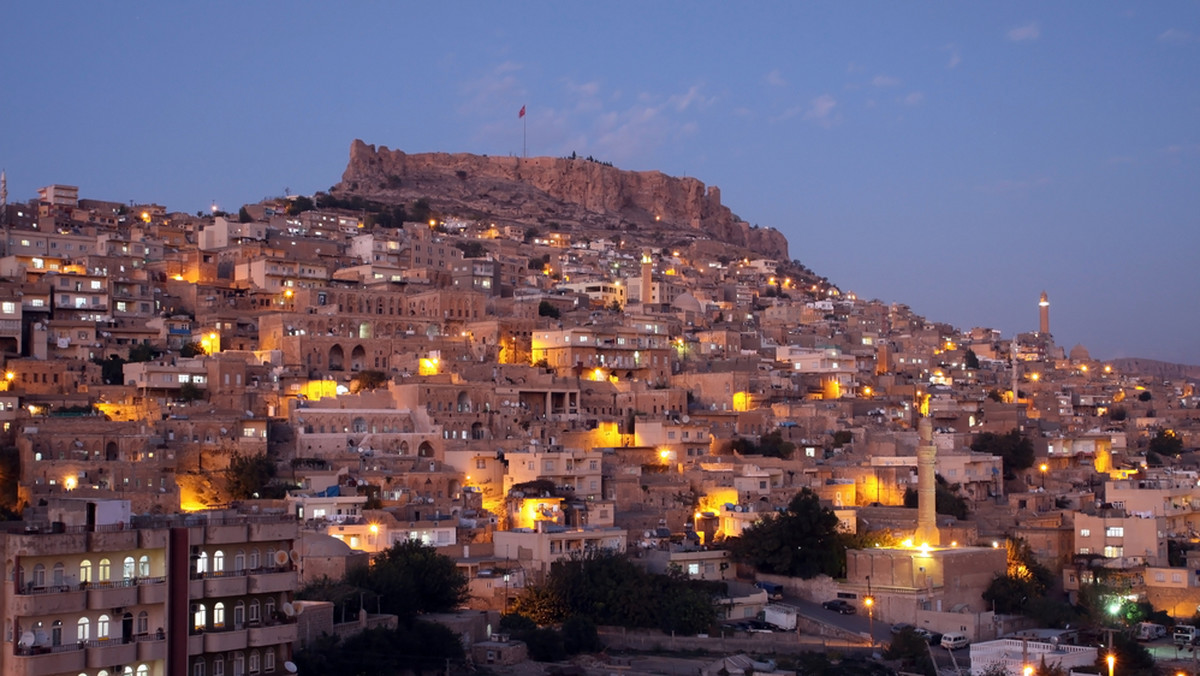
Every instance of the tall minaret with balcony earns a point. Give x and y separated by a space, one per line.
647 269
1044 315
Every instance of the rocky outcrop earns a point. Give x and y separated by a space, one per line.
1157 369
544 189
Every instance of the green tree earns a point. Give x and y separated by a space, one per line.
299 204
112 370
970 359
580 636
411 578
1014 449
547 309
420 210
773 445
191 350
410 648
471 249
1132 657
1166 443
802 541
913 651
190 392
368 380
142 352
946 500
249 476
1145 396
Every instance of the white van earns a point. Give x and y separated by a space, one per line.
1185 634
1149 631
955 640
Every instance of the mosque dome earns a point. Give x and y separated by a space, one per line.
686 302
1080 353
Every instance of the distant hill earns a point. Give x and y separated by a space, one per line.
1157 369
571 192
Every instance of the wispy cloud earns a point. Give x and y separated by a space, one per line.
913 98
1030 31
885 81
955 57
820 110
775 79
500 84
1175 36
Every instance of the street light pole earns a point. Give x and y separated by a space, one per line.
870 603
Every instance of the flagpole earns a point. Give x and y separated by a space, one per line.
524 136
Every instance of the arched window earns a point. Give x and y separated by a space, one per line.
202 563
239 614
143 623
59 577
39 576
102 627
127 671
269 660
199 616
102 575
102 672
253 559
219 615
239 664
254 662
239 561
129 569
218 561
254 611
143 670
56 632
83 629
85 571
144 566
269 609
198 667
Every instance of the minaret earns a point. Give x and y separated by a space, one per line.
927 530
3 189
647 268
1044 315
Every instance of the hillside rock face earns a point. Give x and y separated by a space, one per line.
545 189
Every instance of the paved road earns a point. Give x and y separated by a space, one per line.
858 624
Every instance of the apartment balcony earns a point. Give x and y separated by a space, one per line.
272 634
272 580
112 595
226 534
224 641
152 590
48 601
265 531
44 661
112 541
107 652
152 538
225 584
149 649
196 643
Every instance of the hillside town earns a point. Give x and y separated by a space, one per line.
203 414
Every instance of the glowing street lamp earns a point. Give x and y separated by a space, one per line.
1043 467
1112 662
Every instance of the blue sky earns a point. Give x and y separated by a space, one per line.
957 157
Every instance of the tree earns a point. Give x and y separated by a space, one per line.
368 380
802 541
244 216
1145 396
420 210
773 445
580 636
471 249
1166 443
1014 449
912 650
299 205
249 476
547 309
190 392
142 352
970 359
191 350
411 578
947 500
112 370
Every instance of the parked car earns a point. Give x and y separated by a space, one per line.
901 626
839 606
933 637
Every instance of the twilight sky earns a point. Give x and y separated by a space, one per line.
957 157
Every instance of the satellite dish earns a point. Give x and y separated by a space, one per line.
288 610
26 639
686 418
281 558
289 667
295 556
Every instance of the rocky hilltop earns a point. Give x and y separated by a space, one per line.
574 192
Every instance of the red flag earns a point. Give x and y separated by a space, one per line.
522 113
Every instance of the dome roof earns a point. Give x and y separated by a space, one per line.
686 302
321 545
1080 353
